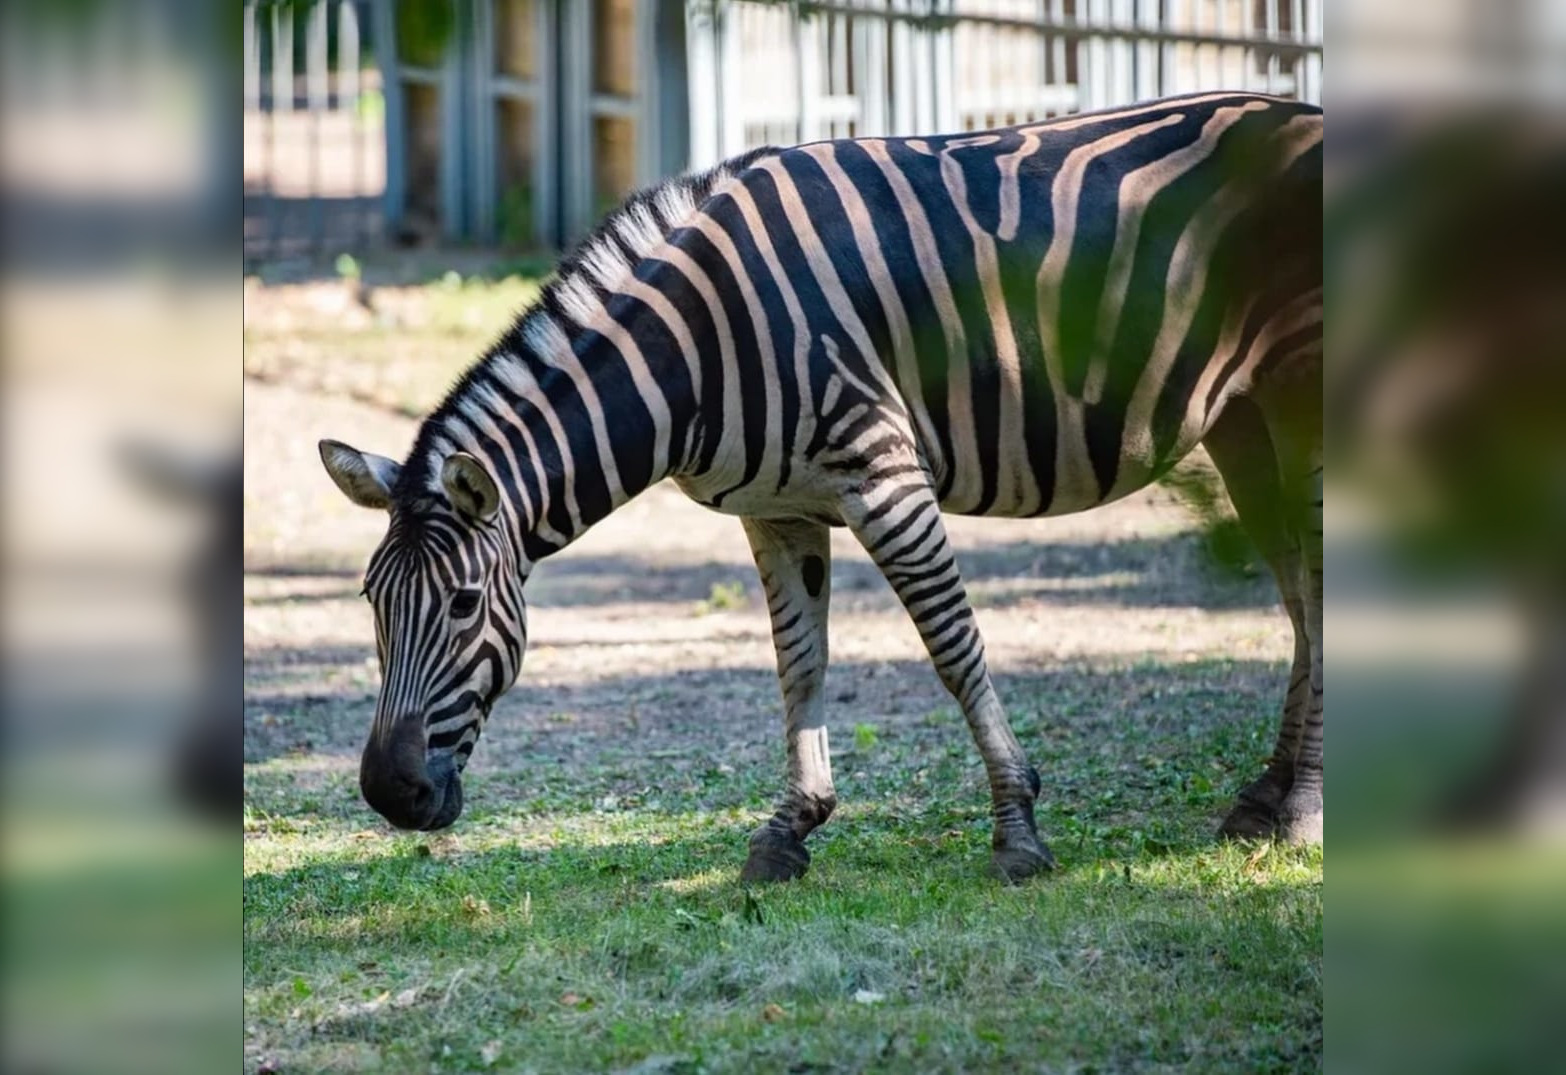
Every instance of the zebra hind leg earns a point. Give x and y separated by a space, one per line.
793 558
1242 449
895 516
1295 423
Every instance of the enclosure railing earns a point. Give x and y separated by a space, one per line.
520 121
805 70
314 129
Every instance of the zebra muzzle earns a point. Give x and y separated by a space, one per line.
407 786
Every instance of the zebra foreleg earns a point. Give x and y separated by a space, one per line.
896 518
794 560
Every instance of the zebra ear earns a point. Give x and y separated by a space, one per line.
470 488
365 479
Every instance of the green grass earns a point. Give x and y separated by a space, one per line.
584 914
587 918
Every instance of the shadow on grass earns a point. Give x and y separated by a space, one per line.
1171 571
1115 746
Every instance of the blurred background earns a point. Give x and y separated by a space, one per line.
520 122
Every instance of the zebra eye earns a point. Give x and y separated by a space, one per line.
464 604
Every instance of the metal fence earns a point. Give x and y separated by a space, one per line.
314 129
795 72
523 120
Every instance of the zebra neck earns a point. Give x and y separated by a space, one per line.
583 422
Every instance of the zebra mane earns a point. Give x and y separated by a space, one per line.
584 279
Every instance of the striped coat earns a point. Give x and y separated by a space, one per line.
1020 322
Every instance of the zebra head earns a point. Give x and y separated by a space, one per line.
445 585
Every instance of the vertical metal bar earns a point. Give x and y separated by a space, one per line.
1198 52
1168 57
1125 72
547 228
282 107
282 58
481 161
1097 75
900 105
701 34
1041 39
454 222
1313 61
318 92
732 132
1057 45
921 52
807 74
1146 51
394 197
1297 32
252 89
646 86
1220 11
578 175
944 74
348 58
1272 55
872 77
1248 53
252 76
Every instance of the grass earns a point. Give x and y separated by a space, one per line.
587 918
584 915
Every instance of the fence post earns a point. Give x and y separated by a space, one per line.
480 111
731 120
701 57
395 196
807 53
348 87
317 90
944 74
1313 32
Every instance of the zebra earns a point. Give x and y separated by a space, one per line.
867 333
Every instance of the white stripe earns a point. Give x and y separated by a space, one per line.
1076 486
554 349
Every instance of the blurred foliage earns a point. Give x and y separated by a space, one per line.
423 29
514 216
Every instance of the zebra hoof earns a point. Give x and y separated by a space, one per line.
1305 829
1254 815
775 856
1249 821
1300 819
1016 864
